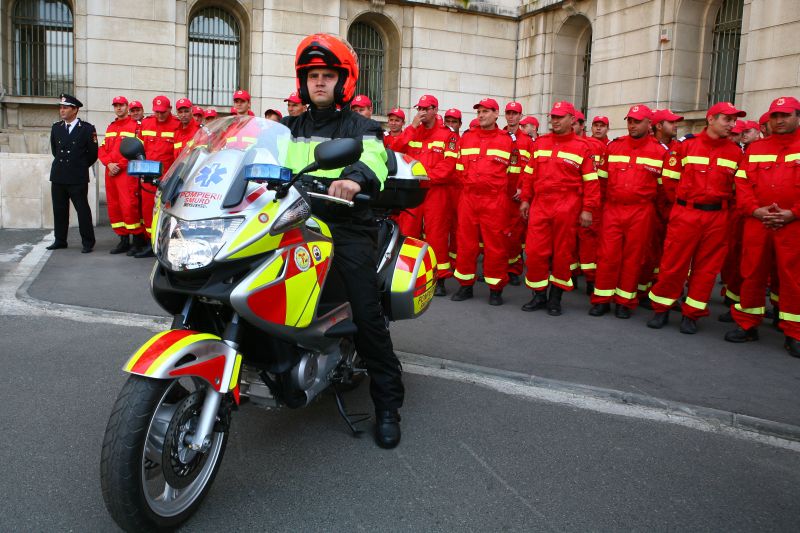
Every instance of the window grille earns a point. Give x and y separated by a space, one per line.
367 43
587 67
214 57
43 48
725 56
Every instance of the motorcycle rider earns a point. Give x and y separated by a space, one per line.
327 71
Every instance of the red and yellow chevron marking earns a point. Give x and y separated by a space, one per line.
149 358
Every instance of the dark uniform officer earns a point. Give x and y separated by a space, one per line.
73 143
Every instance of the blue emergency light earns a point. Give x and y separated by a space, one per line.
267 172
144 168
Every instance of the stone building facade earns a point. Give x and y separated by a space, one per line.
604 55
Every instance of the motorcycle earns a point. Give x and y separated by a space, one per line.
244 267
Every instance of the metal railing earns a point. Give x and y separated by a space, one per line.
214 57
43 48
367 43
725 56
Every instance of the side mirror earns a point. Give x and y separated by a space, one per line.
131 148
337 153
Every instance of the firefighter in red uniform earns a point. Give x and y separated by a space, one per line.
520 155
241 103
600 125
188 127
699 176
158 135
198 115
452 119
393 139
768 193
483 158
530 125
633 165
434 145
561 180
121 189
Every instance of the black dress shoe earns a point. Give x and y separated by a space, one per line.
514 280
387 429
792 346
620 311
688 326
554 301
464 293
146 252
87 249
495 297
539 301
599 309
57 246
659 320
440 290
726 317
742 335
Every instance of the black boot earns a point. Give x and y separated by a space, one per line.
123 246
539 301
495 297
137 246
622 312
726 317
147 251
776 317
513 279
599 309
688 326
742 335
464 293
659 320
645 303
792 346
440 290
387 428
554 301
589 288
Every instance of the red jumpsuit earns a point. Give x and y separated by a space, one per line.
396 143
436 149
634 169
455 197
483 206
184 136
516 224
561 180
770 173
700 179
159 140
589 237
121 190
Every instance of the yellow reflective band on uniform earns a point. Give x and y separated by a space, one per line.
572 157
452 255
732 296
741 173
148 133
127 134
235 374
514 260
648 161
300 151
190 143
436 144
491 281
726 163
524 153
602 173
111 134
133 226
459 166
465 277
671 174
450 154
536 284
660 300
658 180
695 160
567 283
791 157
470 151
528 170
750 310
230 139
762 158
514 170
588 266
168 134
694 303
619 158
117 225
789 317
656 270
644 287
498 153
603 292
625 294
443 266
542 153
774 297
592 176
574 266
415 144
178 145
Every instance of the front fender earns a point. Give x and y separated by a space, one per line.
182 352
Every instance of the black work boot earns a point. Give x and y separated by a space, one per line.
726 317
688 326
792 346
464 293
620 311
440 290
589 288
659 320
599 309
645 303
554 301
742 335
513 279
123 246
137 246
495 297
776 317
387 428
146 252
539 301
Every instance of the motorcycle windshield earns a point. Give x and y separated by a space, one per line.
211 170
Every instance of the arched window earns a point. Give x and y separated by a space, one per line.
214 57
587 67
369 46
572 62
725 57
43 48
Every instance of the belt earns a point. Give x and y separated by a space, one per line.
703 207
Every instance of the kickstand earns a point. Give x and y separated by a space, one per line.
351 423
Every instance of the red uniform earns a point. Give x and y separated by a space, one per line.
561 180
483 158
520 156
633 167
770 173
700 179
184 136
122 190
159 140
589 237
435 148
396 143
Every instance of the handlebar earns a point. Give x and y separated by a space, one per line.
358 198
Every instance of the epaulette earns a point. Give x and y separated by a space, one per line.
686 137
58 122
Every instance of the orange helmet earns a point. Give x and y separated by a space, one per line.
327 51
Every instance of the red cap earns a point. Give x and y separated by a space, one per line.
119 100
750 124
739 127
362 100
660 115
474 123
453 112
294 98
725 108
488 103
580 116
427 100
784 104
280 115
764 119
563 108
161 103
530 120
398 113
183 102
241 94
197 110
639 112
514 106
135 104
210 113
600 118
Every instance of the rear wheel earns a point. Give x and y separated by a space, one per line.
150 478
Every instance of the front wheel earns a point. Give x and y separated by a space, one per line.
150 479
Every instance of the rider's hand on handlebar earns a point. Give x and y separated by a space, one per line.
345 189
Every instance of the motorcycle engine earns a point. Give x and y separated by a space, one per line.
305 372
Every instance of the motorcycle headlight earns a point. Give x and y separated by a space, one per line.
190 244
295 215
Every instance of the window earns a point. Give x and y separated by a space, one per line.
43 48
587 66
725 57
214 57
367 43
